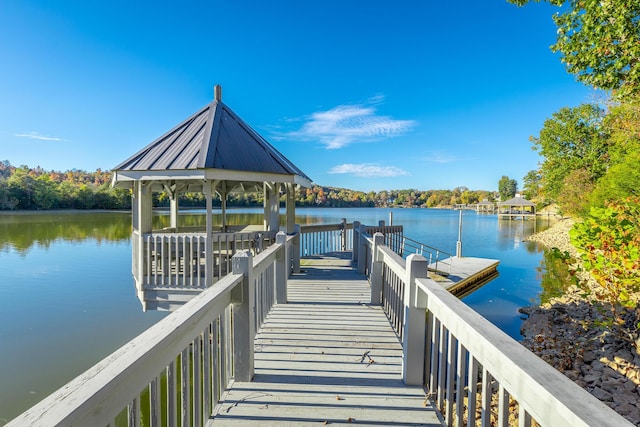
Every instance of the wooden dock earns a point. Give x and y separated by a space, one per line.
466 274
326 358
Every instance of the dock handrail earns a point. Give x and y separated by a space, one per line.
467 359
190 356
318 239
433 255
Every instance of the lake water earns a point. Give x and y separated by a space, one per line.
67 298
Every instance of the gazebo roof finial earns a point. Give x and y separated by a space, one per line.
217 93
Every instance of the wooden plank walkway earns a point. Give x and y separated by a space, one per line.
326 358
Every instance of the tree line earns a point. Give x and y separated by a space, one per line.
25 188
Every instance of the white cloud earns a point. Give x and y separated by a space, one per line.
368 170
440 157
346 124
36 135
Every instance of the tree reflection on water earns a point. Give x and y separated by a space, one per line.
555 274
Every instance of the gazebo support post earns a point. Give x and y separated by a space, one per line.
293 253
141 214
223 206
208 251
271 207
290 208
173 200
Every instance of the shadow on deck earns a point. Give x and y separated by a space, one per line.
327 357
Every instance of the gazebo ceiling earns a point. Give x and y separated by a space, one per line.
213 144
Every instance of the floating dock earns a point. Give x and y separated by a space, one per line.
465 274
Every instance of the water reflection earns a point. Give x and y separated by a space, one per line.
555 274
22 231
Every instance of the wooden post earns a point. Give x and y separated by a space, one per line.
282 268
343 234
265 205
208 238
244 318
290 208
295 248
459 242
362 248
362 251
376 270
271 206
173 201
356 240
142 206
413 334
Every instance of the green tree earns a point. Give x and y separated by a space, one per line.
532 182
573 139
507 188
622 178
608 241
598 41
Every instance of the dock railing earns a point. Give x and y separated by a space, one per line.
394 238
320 239
179 367
470 367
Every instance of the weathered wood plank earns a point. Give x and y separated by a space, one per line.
326 356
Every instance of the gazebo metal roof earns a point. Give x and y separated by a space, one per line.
214 143
517 201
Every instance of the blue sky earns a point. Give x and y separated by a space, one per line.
364 95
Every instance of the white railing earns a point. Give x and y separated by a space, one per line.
394 238
325 238
170 267
472 369
175 372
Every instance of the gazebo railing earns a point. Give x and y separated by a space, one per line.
166 260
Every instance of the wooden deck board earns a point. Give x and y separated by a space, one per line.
326 358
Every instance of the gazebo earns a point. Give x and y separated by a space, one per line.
517 207
212 152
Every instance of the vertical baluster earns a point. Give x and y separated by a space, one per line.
197 381
148 260
402 304
167 253
442 368
172 393
185 387
134 412
524 419
452 346
486 398
154 403
207 373
158 260
215 358
229 344
435 355
186 262
428 353
503 407
473 391
177 259
461 373
223 351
